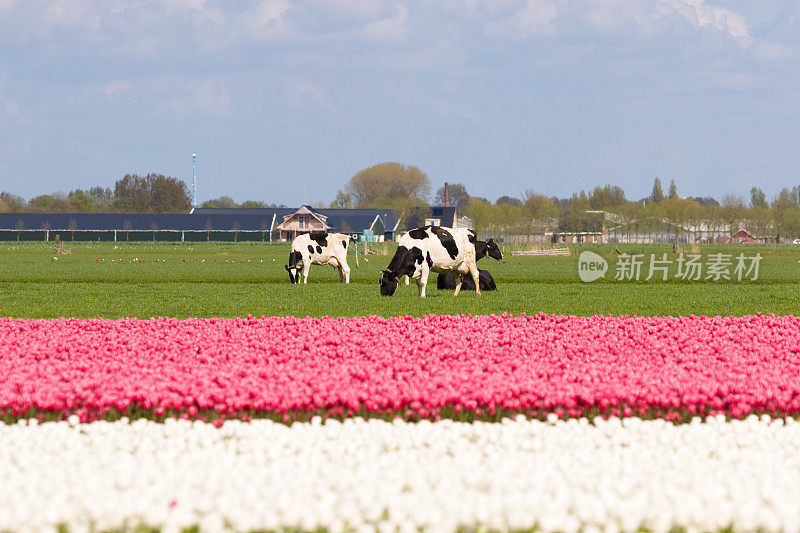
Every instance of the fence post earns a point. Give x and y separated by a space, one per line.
115 235
46 235
182 236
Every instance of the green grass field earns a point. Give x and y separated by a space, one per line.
227 280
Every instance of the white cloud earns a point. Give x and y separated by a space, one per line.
473 8
143 26
266 21
113 89
341 32
209 97
85 13
620 17
703 14
388 30
185 4
642 19
535 19
109 91
772 52
300 90
355 11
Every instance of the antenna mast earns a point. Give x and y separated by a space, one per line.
194 180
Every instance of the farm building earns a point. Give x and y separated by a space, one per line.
444 216
290 222
199 225
746 236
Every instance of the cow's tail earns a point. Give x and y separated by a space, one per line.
355 242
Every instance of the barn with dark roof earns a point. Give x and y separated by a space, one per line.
199 225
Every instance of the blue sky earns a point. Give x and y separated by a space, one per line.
501 95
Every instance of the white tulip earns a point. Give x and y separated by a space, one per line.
356 475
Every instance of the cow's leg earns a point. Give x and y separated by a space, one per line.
341 274
422 281
306 268
346 270
458 279
407 280
473 270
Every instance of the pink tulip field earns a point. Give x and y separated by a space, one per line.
459 367
439 423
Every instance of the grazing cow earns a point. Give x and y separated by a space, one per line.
482 249
487 248
319 248
486 281
432 248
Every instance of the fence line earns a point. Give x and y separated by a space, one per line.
117 235
546 251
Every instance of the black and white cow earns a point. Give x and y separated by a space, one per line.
487 248
485 281
483 249
319 248
432 248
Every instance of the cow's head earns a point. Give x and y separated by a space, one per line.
389 281
492 250
294 266
294 274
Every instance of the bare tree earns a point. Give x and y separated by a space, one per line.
20 227
457 193
733 210
236 227
342 201
264 229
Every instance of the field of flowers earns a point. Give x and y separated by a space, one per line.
568 476
442 423
457 367
437 421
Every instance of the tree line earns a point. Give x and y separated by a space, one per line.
152 193
607 208
406 189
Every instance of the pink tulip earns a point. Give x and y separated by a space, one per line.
490 366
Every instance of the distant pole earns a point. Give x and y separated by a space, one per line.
194 180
